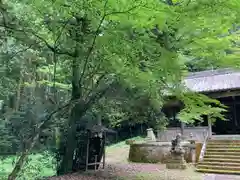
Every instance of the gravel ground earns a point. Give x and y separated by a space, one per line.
119 168
220 177
135 171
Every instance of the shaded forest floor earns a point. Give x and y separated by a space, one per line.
117 168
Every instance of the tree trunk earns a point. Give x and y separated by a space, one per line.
67 163
18 94
22 159
70 144
76 113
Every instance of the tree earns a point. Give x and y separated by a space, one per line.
82 50
209 34
98 44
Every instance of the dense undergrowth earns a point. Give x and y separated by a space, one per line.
41 165
37 166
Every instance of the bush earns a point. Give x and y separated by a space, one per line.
130 141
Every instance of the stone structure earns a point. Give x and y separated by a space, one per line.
198 133
155 152
176 159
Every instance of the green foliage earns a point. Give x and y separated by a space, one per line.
7 139
124 48
198 105
37 166
144 46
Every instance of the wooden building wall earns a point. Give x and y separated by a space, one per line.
232 125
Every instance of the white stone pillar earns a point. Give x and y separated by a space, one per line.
150 135
209 127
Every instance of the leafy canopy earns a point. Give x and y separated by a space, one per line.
142 44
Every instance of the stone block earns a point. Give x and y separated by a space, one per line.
176 162
154 152
176 166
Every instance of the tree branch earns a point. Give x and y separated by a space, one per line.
13 175
93 43
170 3
96 85
98 95
105 14
31 142
21 51
41 39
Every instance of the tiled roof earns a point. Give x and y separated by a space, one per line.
213 80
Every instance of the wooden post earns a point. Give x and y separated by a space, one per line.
104 149
198 151
209 127
95 163
235 112
87 151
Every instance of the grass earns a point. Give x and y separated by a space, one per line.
38 165
42 165
121 149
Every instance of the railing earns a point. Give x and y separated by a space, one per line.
203 148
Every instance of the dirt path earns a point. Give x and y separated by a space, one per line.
118 168
135 171
220 177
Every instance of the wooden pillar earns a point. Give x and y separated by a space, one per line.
88 143
104 150
209 127
235 112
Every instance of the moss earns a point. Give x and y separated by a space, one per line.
138 153
129 141
149 153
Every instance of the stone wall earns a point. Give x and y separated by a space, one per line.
154 152
198 133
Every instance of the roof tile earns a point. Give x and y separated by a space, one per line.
214 80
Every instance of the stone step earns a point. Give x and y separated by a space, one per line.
225 141
223 146
218 171
219 163
222 156
223 167
223 153
225 160
226 149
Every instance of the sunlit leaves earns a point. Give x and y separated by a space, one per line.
117 33
197 106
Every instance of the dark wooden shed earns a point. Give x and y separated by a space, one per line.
90 152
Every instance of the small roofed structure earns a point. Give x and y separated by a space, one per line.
91 136
100 129
96 146
90 151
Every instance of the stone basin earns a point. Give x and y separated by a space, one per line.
156 152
